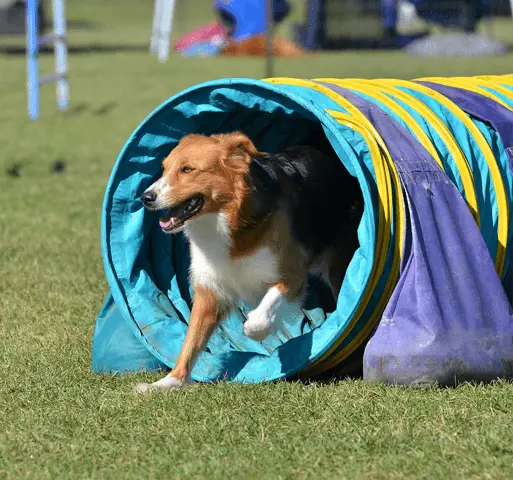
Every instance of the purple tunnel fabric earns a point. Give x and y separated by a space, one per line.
449 318
499 117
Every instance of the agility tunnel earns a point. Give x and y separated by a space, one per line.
427 295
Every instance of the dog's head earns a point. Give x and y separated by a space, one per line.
202 174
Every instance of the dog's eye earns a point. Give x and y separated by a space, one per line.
187 169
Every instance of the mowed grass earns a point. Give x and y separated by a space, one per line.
57 420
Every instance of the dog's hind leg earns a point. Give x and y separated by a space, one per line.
205 315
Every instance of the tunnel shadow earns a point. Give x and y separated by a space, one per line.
351 368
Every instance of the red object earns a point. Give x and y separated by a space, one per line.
201 34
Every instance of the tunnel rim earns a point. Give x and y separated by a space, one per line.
326 121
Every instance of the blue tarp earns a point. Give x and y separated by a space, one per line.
248 18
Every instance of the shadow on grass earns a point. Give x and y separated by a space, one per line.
77 25
100 111
18 50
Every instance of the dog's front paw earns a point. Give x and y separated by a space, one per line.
167 383
142 387
259 325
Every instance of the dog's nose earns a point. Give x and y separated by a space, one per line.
147 198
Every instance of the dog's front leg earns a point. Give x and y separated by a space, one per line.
205 315
264 319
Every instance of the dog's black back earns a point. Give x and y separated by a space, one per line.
322 199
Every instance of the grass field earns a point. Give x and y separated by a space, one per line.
57 420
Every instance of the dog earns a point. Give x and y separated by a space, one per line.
258 224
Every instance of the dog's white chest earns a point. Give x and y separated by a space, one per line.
247 278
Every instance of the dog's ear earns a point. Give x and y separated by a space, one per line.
241 150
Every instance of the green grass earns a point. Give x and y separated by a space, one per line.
60 421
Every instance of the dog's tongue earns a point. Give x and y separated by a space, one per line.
169 223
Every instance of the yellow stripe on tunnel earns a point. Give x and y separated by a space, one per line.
502 79
469 84
381 158
372 90
329 361
496 85
498 183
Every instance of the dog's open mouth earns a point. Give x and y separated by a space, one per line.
176 216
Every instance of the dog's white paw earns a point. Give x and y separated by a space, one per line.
142 387
259 325
165 384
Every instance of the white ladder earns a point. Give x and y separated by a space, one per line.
34 42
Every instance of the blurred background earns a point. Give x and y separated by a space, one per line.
111 72
109 40
115 82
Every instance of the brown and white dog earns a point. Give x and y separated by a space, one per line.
257 225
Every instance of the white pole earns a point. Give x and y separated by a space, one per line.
155 26
61 53
166 25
